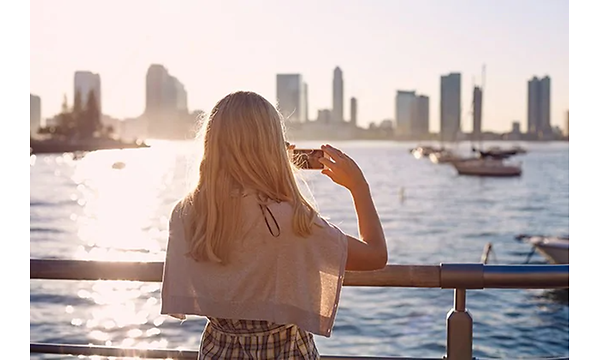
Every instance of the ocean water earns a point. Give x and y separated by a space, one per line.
87 209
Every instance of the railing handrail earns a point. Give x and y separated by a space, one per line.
459 323
450 276
109 351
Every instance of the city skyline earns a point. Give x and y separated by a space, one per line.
403 45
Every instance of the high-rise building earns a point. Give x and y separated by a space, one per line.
84 82
160 91
166 102
477 111
324 116
338 96
353 111
450 106
566 132
405 111
538 106
164 92
545 99
290 97
420 122
35 114
305 98
516 127
180 95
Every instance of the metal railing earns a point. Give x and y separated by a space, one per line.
460 277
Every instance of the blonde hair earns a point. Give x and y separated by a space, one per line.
244 149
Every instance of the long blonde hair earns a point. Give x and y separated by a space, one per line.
244 149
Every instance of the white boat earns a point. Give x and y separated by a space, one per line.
445 156
489 167
555 249
423 151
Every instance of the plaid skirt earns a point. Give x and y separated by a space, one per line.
255 339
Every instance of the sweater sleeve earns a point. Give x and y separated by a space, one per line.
173 252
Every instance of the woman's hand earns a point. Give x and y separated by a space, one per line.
340 168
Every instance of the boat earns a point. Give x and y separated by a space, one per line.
487 163
424 151
447 156
487 167
555 249
118 165
497 152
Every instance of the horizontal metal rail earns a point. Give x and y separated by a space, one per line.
93 350
460 277
450 276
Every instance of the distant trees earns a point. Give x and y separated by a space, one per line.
78 122
89 121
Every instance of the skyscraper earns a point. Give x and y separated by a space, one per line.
305 98
538 106
353 111
546 128
180 95
157 90
324 116
166 101
35 114
420 122
338 96
84 82
405 108
450 106
164 92
290 97
477 110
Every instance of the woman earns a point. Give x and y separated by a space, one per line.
250 253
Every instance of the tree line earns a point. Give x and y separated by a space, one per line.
81 121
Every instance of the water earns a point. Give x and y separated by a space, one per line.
85 209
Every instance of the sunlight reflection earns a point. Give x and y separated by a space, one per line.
120 220
121 310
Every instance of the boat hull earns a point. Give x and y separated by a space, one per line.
486 169
555 250
554 254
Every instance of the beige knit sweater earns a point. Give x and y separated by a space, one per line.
285 279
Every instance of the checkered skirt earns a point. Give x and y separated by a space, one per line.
255 339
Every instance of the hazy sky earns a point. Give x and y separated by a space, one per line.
215 47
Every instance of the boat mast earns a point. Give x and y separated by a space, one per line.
482 93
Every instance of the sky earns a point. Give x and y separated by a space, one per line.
216 47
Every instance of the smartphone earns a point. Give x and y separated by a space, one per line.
308 159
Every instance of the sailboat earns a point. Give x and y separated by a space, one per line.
445 155
487 163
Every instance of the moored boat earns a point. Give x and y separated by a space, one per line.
555 249
490 167
424 151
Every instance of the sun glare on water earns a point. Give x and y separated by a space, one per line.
122 215
120 193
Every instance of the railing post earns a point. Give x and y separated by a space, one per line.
459 328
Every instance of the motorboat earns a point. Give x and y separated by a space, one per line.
424 151
555 249
498 153
486 166
446 156
118 165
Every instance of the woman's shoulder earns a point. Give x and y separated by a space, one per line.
327 227
181 207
